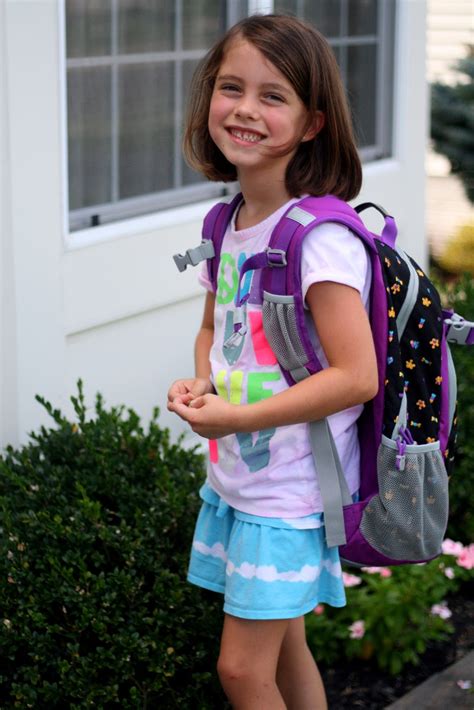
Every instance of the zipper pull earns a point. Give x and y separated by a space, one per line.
240 329
400 458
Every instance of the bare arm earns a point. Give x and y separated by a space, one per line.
351 377
185 390
204 339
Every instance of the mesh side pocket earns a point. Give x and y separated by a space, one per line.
408 518
279 323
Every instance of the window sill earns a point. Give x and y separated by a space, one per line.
138 225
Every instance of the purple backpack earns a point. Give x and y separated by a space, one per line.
407 432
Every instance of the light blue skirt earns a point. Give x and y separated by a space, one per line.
267 568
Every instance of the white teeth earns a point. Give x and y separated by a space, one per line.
245 136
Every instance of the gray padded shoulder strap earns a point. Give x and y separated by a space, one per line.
332 482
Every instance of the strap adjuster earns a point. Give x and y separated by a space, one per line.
459 330
276 257
194 256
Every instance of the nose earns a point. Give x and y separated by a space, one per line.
247 107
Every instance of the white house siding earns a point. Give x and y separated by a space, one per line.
115 312
450 29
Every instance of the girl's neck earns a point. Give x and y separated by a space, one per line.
260 201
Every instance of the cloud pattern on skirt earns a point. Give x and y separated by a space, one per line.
268 573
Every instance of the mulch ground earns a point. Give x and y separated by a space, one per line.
362 685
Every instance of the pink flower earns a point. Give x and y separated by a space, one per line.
464 684
357 629
319 610
466 558
350 580
441 610
449 572
382 571
449 547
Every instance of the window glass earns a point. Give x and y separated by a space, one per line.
361 87
324 14
146 26
203 22
147 122
88 28
190 177
362 17
89 111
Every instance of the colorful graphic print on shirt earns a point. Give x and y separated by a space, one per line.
244 383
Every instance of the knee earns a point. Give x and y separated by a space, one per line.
232 671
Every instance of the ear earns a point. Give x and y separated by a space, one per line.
315 127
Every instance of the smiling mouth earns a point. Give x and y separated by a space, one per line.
247 136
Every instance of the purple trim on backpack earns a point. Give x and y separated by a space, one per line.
214 227
371 426
276 280
389 232
357 549
444 423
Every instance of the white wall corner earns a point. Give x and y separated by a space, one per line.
35 233
8 372
411 124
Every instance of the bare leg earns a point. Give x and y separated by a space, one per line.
297 674
248 661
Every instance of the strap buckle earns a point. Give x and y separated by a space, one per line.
458 330
276 257
192 257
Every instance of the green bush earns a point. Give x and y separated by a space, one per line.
97 520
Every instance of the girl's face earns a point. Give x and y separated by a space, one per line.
255 116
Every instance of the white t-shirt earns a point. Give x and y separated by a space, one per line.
271 473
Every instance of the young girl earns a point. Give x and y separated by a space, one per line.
267 108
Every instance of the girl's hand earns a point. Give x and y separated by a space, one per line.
209 416
185 391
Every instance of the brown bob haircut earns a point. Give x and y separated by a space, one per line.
328 164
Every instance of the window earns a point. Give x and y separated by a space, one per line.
361 32
129 63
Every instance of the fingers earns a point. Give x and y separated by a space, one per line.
198 402
181 409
